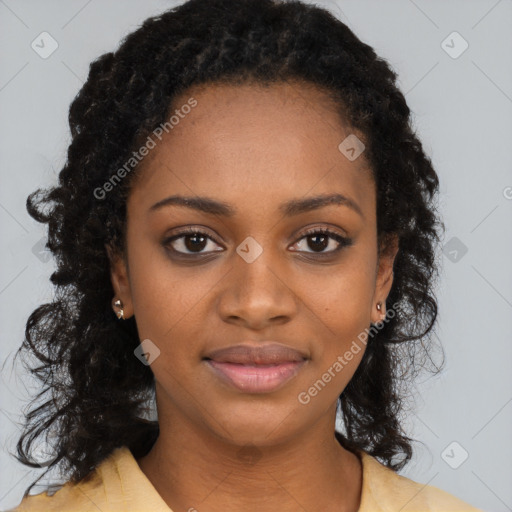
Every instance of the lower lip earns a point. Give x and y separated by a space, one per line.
256 378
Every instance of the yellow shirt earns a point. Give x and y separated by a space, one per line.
119 485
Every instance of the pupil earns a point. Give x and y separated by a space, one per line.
195 246
323 244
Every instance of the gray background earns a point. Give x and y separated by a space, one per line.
462 108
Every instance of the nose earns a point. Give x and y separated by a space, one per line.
257 295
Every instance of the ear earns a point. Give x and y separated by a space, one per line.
384 278
120 280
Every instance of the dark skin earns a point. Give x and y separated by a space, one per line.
253 148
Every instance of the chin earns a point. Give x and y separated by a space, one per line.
259 426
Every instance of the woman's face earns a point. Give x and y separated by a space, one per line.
253 274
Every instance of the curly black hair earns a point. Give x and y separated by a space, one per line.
96 393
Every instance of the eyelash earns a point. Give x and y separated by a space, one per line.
342 241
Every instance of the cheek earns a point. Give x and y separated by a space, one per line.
163 295
341 299
341 304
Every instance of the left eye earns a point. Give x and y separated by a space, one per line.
320 239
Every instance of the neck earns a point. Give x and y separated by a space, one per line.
194 469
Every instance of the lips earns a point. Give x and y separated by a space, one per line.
263 368
265 353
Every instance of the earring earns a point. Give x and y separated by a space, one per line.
120 313
379 308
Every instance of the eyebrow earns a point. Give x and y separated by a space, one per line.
288 209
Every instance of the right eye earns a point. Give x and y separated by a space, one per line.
190 241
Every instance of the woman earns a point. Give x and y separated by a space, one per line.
245 230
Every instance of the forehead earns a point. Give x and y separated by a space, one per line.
257 143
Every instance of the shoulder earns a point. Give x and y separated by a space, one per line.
384 490
87 495
115 485
67 498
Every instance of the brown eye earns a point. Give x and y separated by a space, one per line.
191 241
195 243
318 240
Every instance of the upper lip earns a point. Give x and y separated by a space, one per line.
263 353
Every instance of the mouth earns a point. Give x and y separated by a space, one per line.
256 378
261 368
